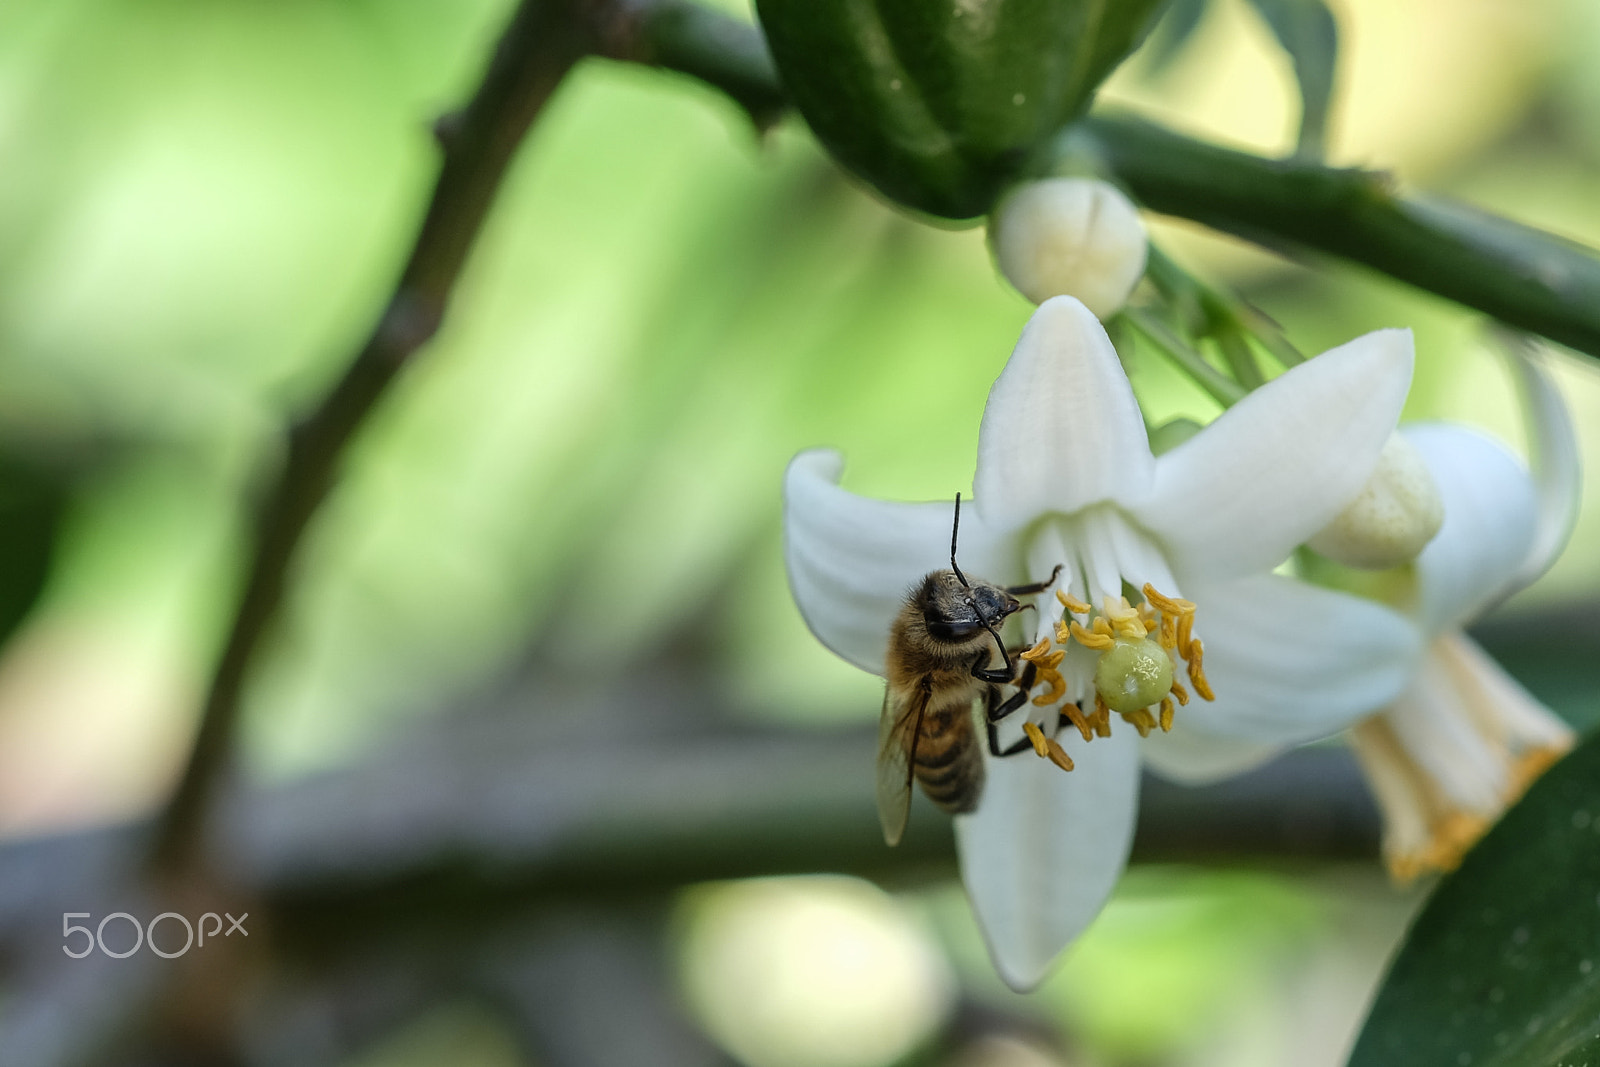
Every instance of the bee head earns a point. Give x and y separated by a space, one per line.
956 611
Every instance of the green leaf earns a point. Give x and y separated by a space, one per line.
1308 32
1502 968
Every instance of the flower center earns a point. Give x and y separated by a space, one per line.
1135 652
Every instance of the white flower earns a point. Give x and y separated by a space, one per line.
1463 739
1065 476
1070 237
1393 518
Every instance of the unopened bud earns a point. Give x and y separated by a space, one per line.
1070 236
1133 674
1391 522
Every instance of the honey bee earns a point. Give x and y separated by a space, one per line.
940 649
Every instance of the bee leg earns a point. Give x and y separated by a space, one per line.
993 675
1034 587
1022 745
997 711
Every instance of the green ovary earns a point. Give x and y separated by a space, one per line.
1133 674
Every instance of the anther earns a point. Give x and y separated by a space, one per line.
1058 755
1168 637
1140 720
1072 603
1180 692
1089 639
1185 631
1057 690
1037 650
1166 715
1075 715
1168 604
1037 738
1102 716
1197 674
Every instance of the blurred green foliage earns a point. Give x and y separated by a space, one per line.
205 202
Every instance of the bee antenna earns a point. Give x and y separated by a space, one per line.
955 528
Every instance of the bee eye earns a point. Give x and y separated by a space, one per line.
943 628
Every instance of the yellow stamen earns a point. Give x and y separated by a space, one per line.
1197 674
1185 631
1036 736
1057 684
1168 637
1089 639
1075 715
1130 627
1058 755
1072 603
1170 605
1166 714
1102 716
1140 720
1037 651
1180 692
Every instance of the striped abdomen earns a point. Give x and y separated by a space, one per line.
948 762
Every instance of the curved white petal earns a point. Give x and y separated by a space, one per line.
1291 662
1189 756
1043 851
1490 515
852 559
1555 461
1062 429
1279 465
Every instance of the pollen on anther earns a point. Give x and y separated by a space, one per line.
1197 674
1058 755
1072 603
1166 714
1058 688
1090 638
1102 716
1180 692
1075 716
1037 738
1168 604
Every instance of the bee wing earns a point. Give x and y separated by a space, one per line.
898 727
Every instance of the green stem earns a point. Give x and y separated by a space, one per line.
1525 277
540 45
1223 389
1520 275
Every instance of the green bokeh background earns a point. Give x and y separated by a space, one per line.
203 204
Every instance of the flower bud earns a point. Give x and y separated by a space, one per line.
1391 522
1133 674
1070 236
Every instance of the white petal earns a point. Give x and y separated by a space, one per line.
852 559
1490 513
1556 463
1043 851
1061 429
1290 662
1280 464
1189 756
